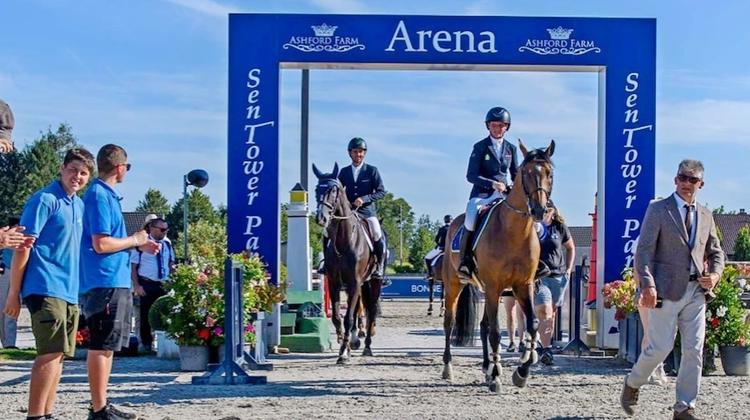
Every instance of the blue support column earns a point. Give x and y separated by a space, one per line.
576 345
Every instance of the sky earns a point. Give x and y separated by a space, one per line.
151 75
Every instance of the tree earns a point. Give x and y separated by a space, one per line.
199 208
13 190
422 241
742 244
154 202
397 220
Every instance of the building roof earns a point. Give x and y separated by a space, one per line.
729 225
134 221
581 236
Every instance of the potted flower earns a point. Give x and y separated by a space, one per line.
620 295
726 324
197 293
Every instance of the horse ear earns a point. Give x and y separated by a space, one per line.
316 171
524 151
335 170
551 149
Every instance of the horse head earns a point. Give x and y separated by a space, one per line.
536 178
326 194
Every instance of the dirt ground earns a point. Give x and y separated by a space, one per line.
402 380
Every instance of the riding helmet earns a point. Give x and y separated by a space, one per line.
447 218
498 113
357 143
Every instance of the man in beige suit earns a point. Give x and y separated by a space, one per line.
677 236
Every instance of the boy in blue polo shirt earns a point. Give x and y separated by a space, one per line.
47 276
106 300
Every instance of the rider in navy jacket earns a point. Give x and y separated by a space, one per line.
492 168
362 191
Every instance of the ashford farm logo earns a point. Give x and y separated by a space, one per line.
325 39
560 42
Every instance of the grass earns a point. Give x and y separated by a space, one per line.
17 354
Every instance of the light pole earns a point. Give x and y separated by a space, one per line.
199 179
401 234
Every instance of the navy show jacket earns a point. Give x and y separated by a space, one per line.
369 187
485 167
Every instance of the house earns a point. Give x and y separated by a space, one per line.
728 226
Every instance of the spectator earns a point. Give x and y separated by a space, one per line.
106 299
47 276
149 272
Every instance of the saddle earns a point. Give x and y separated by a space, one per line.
368 233
483 218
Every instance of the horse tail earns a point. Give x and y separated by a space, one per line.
466 317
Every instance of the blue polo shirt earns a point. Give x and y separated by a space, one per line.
103 216
55 220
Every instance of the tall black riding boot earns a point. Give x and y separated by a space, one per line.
380 256
467 262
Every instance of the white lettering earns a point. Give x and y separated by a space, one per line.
252 127
631 115
631 155
252 222
442 41
631 171
632 82
630 186
400 35
440 37
629 200
251 197
253 167
252 183
470 41
254 76
490 43
252 243
630 131
630 226
253 151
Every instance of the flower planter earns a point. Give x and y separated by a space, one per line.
166 348
631 334
193 358
735 360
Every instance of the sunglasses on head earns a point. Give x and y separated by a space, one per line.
688 178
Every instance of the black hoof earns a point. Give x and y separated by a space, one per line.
361 334
367 352
342 361
355 345
519 380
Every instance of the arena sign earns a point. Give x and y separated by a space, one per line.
621 51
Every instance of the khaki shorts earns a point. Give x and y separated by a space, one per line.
54 323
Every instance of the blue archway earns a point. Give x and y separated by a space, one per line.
621 51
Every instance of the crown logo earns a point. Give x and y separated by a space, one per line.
559 33
324 30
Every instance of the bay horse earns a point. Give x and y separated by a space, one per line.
349 263
507 255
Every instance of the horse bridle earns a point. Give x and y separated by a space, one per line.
337 184
529 193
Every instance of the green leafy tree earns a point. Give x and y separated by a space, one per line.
397 220
13 190
154 202
742 244
422 241
199 208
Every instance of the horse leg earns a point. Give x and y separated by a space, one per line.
431 283
351 308
492 297
442 300
483 332
524 296
369 299
453 290
334 295
360 320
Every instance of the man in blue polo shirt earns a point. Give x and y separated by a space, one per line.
46 276
106 300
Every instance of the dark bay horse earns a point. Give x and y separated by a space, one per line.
349 262
436 278
507 255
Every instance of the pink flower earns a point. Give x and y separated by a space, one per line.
210 322
201 279
249 328
218 331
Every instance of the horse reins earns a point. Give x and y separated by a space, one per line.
528 194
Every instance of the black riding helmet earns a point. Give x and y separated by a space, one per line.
498 113
357 143
447 218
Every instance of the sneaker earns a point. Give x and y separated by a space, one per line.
511 347
628 398
110 412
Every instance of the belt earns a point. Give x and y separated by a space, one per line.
693 277
148 280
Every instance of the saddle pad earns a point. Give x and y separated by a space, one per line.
484 218
366 232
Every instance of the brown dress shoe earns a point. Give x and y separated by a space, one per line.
628 398
688 414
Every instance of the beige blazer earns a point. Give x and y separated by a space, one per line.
663 258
